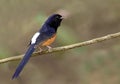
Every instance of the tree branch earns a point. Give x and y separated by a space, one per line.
63 48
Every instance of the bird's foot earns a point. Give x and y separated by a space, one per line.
49 48
40 49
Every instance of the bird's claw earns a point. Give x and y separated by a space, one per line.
49 48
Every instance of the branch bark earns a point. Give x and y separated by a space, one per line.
63 48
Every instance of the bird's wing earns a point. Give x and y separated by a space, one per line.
44 36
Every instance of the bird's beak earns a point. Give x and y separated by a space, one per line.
62 18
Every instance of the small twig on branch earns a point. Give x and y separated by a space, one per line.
63 48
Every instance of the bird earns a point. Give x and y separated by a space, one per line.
44 37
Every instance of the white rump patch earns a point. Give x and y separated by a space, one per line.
34 38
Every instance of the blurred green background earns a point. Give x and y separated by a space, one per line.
94 64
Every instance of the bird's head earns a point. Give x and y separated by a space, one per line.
54 20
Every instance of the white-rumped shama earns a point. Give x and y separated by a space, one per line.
44 37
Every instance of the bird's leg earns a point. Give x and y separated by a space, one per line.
39 48
49 48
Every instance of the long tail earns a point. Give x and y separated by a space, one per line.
24 61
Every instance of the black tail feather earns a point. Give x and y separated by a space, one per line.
24 61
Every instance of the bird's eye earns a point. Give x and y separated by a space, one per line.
57 17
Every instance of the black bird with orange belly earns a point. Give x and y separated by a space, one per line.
44 37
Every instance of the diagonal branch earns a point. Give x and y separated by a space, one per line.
63 48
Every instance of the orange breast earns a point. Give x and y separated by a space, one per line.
49 41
